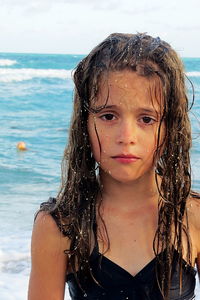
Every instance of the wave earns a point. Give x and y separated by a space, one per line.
13 259
193 74
7 62
17 75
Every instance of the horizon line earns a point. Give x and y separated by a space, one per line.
78 54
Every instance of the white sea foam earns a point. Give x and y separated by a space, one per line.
193 74
14 275
15 287
14 271
7 62
17 75
14 262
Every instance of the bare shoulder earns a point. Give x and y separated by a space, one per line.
193 214
45 230
48 260
193 210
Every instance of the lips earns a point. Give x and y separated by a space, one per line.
125 158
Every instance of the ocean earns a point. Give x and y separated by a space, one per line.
36 93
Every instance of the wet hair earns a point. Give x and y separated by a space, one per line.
77 199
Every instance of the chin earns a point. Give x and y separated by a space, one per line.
124 178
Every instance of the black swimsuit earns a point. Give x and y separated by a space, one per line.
115 283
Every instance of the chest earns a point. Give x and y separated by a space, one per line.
128 242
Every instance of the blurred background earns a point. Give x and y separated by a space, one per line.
40 44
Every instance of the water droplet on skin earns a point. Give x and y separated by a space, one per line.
109 172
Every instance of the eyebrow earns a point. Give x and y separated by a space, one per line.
144 109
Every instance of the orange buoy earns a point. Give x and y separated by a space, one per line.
21 146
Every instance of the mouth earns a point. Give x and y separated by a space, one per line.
125 158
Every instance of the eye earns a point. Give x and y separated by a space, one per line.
147 120
108 117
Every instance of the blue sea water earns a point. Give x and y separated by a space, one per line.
35 105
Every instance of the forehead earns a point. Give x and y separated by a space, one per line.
128 88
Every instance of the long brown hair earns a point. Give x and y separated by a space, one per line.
76 200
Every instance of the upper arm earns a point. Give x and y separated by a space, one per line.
49 263
193 208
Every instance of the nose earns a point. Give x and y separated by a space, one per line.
127 132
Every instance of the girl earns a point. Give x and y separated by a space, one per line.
125 223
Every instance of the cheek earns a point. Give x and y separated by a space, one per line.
149 146
152 147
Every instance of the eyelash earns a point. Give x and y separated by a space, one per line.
103 117
107 114
152 120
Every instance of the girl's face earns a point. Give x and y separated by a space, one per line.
127 127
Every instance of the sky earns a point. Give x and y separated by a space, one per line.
76 26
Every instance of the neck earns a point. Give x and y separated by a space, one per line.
130 195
